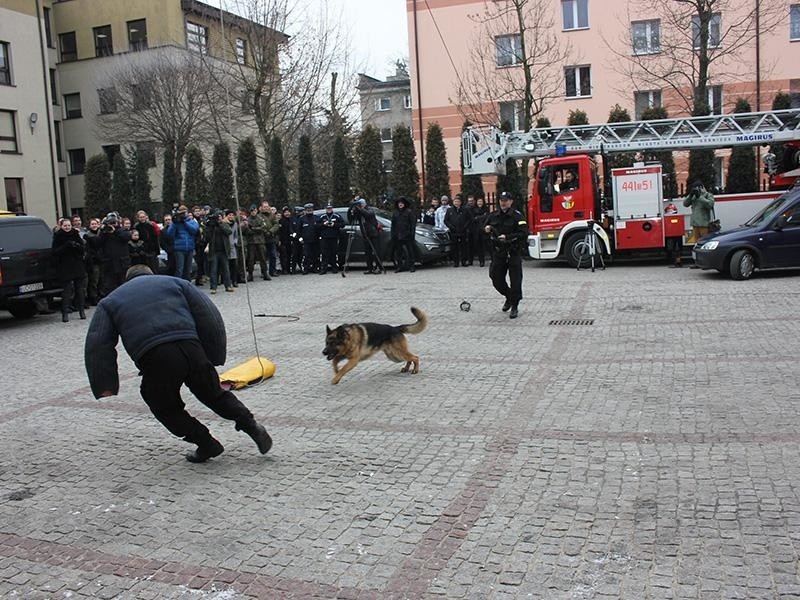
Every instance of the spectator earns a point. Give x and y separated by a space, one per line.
404 227
270 234
329 226
458 221
183 231
310 235
112 245
441 211
218 235
286 235
93 263
478 236
148 234
254 229
167 243
429 216
136 250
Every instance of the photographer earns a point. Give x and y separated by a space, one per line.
330 225
183 232
365 217
702 204
218 235
508 232
112 247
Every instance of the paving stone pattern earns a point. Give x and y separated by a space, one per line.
653 454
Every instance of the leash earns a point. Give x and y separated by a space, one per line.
291 318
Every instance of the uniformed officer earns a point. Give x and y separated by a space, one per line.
329 225
508 232
309 232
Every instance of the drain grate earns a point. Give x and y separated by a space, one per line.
572 322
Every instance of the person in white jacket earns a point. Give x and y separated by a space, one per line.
440 213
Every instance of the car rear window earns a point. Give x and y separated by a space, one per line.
18 237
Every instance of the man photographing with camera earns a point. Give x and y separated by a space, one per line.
702 204
508 232
365 217
111 245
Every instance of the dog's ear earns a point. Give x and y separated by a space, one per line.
328 330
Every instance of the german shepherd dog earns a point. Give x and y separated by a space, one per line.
358 341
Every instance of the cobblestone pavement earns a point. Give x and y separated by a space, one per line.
651 454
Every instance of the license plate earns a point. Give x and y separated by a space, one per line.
31 287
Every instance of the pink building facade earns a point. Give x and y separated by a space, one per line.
599 42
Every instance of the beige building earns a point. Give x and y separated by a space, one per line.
598 39
28 164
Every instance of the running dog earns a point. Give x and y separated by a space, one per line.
358 341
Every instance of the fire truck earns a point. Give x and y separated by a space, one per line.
567 197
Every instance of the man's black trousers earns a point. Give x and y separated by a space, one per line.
165 369
329 246
460 248
501 264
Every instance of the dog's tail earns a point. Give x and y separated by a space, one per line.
422 322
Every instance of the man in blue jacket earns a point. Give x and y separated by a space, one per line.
175 335
183 231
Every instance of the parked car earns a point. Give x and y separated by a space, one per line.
769 240
431 245
28 277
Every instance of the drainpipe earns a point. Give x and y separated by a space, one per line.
48 108
758 83
419 104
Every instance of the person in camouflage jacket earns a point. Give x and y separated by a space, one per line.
254 231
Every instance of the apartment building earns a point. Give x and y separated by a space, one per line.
28 164
385 104
598 38
56 59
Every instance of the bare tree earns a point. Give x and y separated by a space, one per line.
516 56
690 44
165 96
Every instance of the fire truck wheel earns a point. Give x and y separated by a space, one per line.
742 265
575 247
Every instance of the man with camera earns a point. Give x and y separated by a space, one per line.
364 216
702 205
175 335
508 232
183 232
218 229
112 248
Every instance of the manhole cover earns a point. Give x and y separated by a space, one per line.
571 322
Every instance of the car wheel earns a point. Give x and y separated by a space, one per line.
23 310
742 265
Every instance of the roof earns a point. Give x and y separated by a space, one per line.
213 12
367 83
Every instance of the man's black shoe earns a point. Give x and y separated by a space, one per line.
514 313
369 272
506 305
260 436
203 453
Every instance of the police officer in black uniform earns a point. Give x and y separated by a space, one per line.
508 232
329 226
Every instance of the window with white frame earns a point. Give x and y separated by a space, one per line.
512 113
509 50
72 106
578 81
794 22
719 172
241 51
8 132
386 134
382 104
77 161
575 13
196 37
5 64
642 100
715 99
714 26
407 101
646 36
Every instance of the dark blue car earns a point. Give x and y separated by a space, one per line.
770 240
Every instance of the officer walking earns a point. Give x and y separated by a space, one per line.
508 232
329 225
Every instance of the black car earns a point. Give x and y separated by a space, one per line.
431 245
770 240
28 277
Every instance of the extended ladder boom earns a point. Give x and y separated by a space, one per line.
486 149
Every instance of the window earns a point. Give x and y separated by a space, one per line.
8 132
719 173
5 64
103 46
241 51
147 152
578 81
794 22
48 32
646 36
53 87
713 31
107 98
576 14
644 100
386 134
68 46
111 151
196 38
509 50
511 113
382 104
137 35
14 203
57 130
407 101
141 96
72 106
715 99
77 161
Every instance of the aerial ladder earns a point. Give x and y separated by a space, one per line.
635 217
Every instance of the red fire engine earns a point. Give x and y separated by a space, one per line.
566 188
